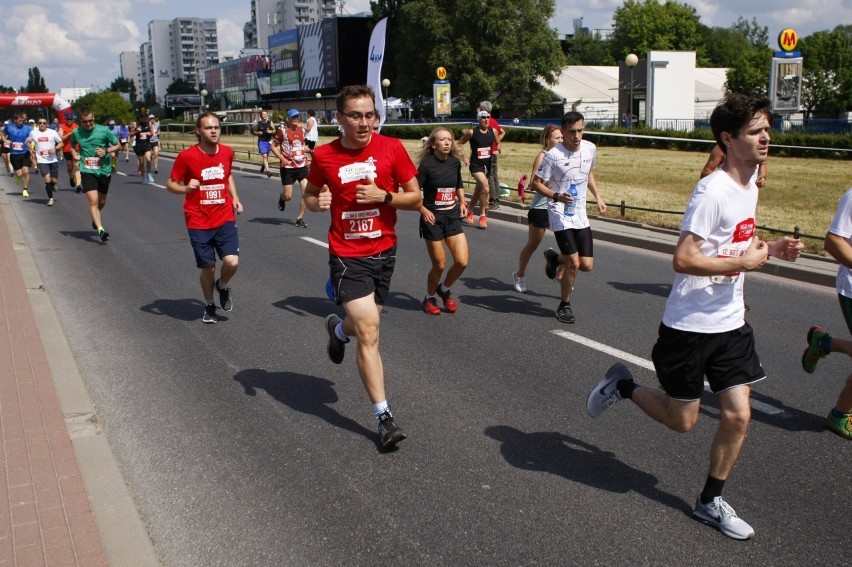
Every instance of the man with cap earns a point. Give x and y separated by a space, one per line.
483 139
289 147
493 178
72 159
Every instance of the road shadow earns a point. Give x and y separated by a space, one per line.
84 235
514 303
180 309
788 419
493 284
304 306
273 221
305 394
403 301
661 290
577 461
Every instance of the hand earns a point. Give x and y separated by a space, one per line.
601 207
787 248
369 193
756 255
324 198
428 215
192 185
238 207
463 208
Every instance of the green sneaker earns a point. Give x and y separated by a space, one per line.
841 425
817 337
25 194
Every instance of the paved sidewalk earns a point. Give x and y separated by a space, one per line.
45 515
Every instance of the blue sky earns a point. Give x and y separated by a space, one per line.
77 42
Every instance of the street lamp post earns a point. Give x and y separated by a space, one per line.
203 94
631 61
318 96
385 85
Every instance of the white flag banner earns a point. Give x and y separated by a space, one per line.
374 66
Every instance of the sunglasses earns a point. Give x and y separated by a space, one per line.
87 121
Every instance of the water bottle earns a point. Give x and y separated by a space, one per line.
572 206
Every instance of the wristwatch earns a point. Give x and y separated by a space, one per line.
388 197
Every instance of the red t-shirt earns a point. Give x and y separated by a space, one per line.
211 205
67 129
357 231
498 130
292 145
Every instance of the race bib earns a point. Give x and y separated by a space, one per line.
92 162
483 153
44 152
445 196
17 146
361 224
212 194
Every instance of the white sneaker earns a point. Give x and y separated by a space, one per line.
719 514
520 283
605 393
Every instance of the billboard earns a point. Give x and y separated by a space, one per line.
183 100
317 56
284 61
785 85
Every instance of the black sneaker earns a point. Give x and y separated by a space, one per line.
268 174
300 223
209 314
551 262
336 347
565 314
79 188
389 433
281 203
224 297
104 235
262 169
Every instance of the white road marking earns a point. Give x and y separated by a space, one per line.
314 241
756 405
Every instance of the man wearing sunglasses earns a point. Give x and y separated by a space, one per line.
96 142
357 178
45 144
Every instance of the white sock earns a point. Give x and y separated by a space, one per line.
430 296
380 408
443 288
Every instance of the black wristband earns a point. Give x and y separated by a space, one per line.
388 197
556 197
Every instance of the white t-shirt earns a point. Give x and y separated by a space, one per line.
45 145
559 169
841 225
721 213
312 130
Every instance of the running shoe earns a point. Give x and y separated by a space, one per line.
483 222
840 425
336 348
150 178
50 202
720 515
209 314
268 174
282 204
144 180
103 234
262 169
300 223
469 218
79 188
814 352
126 159
520 283
450 303
156 171
389 432
11 174
605 394
551 263
565 314
430 306
25 194
17 180
224 297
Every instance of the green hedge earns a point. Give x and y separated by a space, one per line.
809 145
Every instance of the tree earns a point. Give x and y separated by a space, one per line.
388 9
106 105
589 49
181 86
750 73
35 82
724 46
504 52
640 27
827 79
124 85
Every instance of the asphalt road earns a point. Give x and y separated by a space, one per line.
243 445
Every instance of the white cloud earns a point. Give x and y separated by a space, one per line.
230 37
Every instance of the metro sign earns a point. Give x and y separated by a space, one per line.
788 39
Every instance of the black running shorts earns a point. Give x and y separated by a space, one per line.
354 278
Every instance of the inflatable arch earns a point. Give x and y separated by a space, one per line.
35 100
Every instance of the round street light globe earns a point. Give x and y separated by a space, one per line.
318 96
385 83
204 92
631 60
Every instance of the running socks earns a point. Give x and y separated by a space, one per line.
712 488
625 388
380 408
338 332
444 289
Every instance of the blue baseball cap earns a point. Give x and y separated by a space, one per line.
292 112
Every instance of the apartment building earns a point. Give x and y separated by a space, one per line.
269 17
